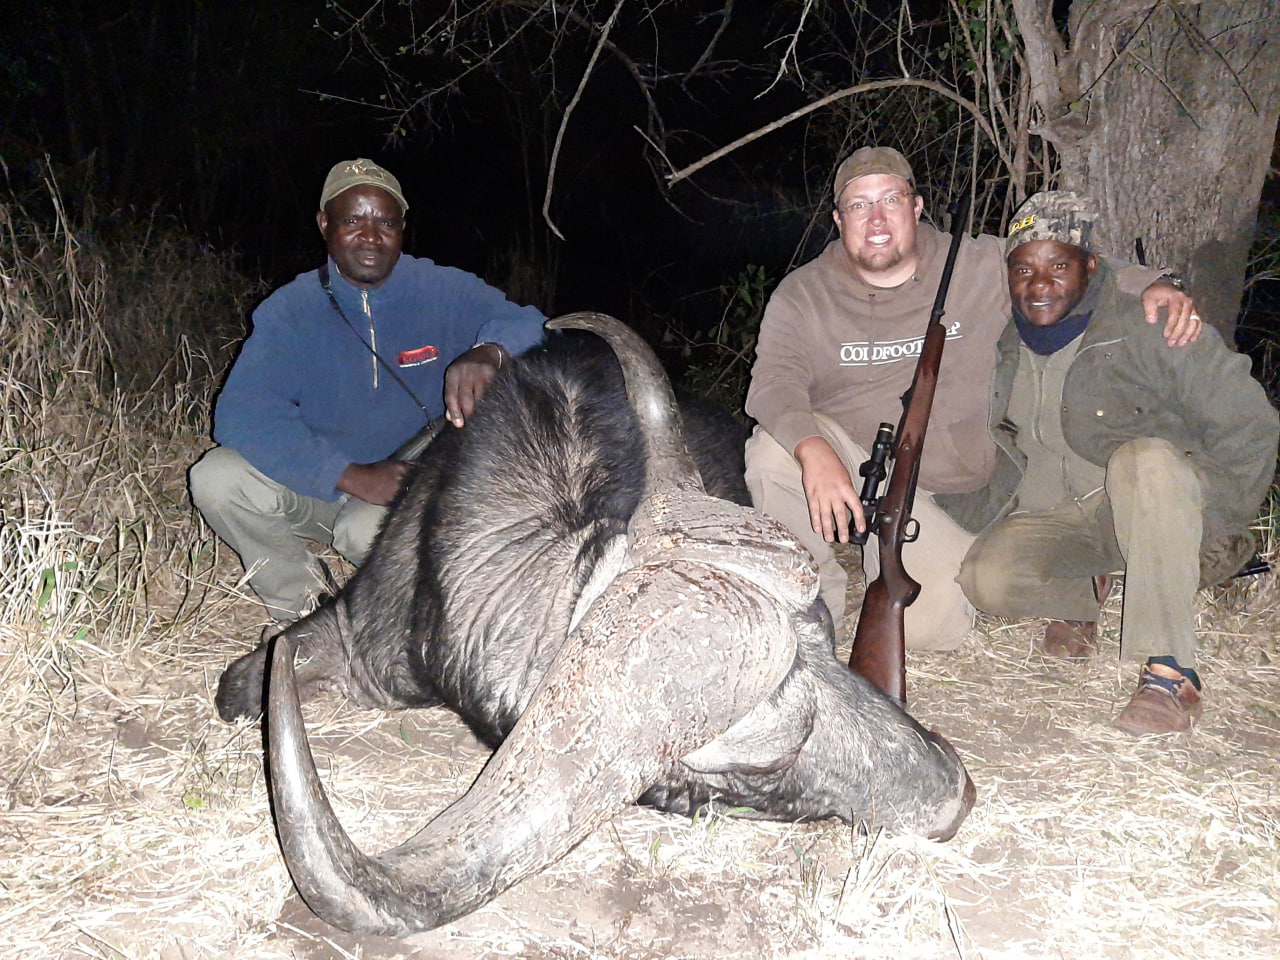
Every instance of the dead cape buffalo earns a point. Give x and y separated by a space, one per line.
622 634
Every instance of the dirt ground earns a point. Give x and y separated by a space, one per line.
134 824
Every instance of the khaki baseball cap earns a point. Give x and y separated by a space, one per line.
357 173
866 161
1062 215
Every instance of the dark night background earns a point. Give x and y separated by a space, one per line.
224 118
213 115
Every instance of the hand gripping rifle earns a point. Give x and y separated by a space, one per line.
879 645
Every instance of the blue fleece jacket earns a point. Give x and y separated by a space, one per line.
305 398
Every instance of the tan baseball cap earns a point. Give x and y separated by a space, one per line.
357 173
866 161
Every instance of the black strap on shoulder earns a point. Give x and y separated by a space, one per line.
323 274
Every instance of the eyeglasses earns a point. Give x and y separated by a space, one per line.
861 209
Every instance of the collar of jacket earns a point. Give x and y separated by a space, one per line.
349 293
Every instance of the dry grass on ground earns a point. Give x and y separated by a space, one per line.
134 824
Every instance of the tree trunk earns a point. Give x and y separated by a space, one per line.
1165 113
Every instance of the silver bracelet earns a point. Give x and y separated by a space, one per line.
491 343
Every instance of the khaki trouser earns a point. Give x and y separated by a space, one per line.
941 614
1147 522
265 523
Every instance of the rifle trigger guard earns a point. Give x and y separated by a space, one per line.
912 531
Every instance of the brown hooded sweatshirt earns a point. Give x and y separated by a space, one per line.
831 344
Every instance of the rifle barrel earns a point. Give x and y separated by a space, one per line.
879 646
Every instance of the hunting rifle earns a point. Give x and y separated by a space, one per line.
879 645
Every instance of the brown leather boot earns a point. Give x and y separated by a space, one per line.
1166 702
1073 639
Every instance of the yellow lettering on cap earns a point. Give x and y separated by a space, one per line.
1022 224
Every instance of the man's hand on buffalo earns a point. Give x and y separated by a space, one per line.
376 483
468 378
829 490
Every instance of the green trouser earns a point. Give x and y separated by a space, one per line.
1147 521
265 523
941 615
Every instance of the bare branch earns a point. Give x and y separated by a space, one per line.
726 15
632 67
967 105
790 52
1020 126
568 111
904 14
987 70
1045 50
963 27
484 62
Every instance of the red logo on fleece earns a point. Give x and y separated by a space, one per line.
414 358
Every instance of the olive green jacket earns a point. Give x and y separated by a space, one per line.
1126 383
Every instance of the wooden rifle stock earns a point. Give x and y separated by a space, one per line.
879 644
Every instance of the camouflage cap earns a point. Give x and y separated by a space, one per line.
1062 215
357 173
866 161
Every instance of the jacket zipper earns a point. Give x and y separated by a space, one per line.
373 336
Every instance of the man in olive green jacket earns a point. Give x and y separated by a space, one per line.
1121 455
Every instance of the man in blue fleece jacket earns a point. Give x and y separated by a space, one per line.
342 366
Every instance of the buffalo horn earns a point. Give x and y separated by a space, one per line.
669 466
576 754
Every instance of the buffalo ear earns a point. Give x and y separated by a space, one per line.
766 740
612 561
